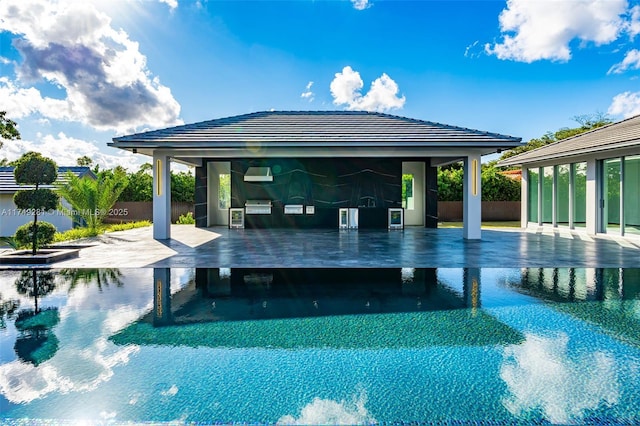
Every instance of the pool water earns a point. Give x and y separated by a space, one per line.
322 346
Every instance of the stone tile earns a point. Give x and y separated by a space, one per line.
322 248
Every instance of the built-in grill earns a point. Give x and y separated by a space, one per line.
257 207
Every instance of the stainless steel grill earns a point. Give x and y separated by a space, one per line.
257 207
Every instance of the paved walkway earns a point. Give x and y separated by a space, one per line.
412 247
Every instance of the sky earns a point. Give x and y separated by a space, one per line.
76 73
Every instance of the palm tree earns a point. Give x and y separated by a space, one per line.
101 277
90 198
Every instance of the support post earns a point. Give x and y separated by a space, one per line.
161 197
472 198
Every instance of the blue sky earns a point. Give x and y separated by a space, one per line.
74 74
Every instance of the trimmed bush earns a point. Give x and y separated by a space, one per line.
45 233
37 199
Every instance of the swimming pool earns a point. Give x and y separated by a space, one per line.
321 345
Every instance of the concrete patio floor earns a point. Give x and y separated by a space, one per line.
325 248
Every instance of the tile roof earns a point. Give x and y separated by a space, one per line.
8 184
623 134
314 129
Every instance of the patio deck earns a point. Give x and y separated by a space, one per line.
413 247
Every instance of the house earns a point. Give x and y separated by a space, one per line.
320 169
589 182
11 218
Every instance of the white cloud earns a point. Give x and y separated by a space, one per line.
65 150
327 411
625 104
171 3
308 94
542 376
22 102
73 46
633 25
630 61
537 30
471 50
22 382
382 96
361 4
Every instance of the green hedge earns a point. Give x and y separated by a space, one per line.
495 186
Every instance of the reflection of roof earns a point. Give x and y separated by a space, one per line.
623 134
374 331
307 129
8 183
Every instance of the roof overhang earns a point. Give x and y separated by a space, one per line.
299 134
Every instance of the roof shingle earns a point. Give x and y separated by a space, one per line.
8 184
314 128
623 134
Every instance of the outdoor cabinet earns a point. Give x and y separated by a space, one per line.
348 218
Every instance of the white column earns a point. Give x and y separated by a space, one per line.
472 197
593 198
524 197
161 197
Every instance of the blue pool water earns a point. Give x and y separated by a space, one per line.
321 346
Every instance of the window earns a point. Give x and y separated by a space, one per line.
547 194
579 194
407 192
224 191
533 182
611 193
631 187
562 194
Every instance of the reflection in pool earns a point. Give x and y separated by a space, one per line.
321 345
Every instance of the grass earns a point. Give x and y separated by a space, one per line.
501 224
78 233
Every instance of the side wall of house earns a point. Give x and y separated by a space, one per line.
11 219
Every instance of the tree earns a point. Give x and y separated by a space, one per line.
34 169
140 186
8 129
495 186
90 198
84 161
183 187
587 122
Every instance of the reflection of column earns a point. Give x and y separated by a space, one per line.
471 288
598 283
162 296
214 282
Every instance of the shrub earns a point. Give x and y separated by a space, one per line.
75 234
44 234
128 225
186 219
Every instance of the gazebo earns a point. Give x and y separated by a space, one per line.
316 169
